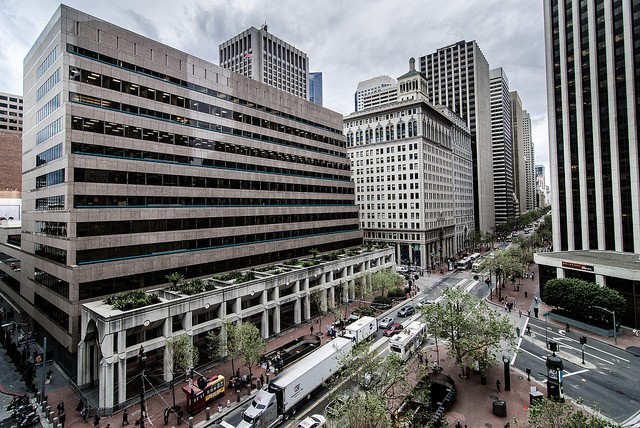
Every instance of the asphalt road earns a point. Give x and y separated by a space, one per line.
606 381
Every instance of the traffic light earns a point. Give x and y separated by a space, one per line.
583 340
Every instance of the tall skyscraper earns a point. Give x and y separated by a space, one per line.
375 91
458 77
519 167
502 146
143 160
315 88
529 161
592 94
261 56
593 123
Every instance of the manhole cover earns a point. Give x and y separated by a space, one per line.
493 397
488 425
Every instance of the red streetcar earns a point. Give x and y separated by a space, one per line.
202 392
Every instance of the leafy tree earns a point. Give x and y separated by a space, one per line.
314 252
318 298
246 342
553 414
577 297
384 280
215 345
472 330
182 355
363 411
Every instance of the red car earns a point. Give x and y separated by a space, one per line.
393 329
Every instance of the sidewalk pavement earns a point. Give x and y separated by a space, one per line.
473 406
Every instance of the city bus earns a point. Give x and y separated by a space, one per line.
478 265
463 264
473 257
407 342
202 392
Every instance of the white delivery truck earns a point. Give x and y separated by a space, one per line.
297 383
361 329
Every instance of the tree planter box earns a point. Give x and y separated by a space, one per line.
582 325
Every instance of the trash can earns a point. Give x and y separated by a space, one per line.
500 408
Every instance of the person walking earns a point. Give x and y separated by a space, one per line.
84 413
567 328
311 329
498 385
125 418
166 416
96 421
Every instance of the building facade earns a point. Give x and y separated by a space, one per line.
458 77
375 91
152 161
519 157
592 88
502 147
541 187
529 161
402 165
11 111
315 88
261 56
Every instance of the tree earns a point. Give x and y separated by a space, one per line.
363 411
314 252
472 330
247 344
553 414
384 280
318 298
182 355
215 345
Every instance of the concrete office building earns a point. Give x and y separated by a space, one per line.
11 112
502 146
315 88
375 91
540 187
458 77
261 56
519 157
142 161
402 159
529 161
592 90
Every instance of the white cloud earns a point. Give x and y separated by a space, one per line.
349 41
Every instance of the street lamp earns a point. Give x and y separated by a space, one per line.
615 337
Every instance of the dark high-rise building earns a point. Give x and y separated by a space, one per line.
315 88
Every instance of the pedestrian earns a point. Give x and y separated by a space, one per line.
528 329
507 425
498 385
567 328
125 418
166 416
311 329
520 312
96 421
261 379
238 372
532 276
458 424
60 407
84 413
108 425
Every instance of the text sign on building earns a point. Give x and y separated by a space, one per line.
578 266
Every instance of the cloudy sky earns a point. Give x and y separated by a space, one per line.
348 41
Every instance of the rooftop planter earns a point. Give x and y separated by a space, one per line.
132 300
192 287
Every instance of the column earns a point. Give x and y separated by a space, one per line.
265 324
105 397
122 379
306 301
276 311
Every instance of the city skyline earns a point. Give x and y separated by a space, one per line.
321 33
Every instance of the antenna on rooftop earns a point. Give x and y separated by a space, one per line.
264 26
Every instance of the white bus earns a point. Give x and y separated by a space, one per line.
463 264
407 342
474 256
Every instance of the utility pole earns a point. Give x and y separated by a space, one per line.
141 364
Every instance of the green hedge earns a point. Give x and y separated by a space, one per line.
575 298
132 300
382 299
396 292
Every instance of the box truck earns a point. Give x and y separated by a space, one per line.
361 329
296 384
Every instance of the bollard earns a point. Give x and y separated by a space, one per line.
55 422
50 417
45 407
238 395
207 413
190 421
219 407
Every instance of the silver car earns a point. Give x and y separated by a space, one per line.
386 322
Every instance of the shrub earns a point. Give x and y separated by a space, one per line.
292 262
131 300
246 277
382 299
577 297
229 276
396 292
192 287
365 311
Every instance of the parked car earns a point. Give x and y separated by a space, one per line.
406 311
386 322
424 301
393 329
313 421
336 406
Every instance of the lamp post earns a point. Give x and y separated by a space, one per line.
615 336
